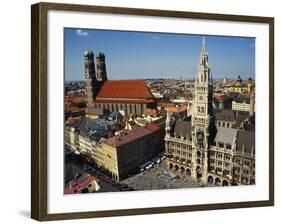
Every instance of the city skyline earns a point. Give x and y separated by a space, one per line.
158 135
169 56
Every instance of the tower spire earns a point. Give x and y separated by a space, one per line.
203 44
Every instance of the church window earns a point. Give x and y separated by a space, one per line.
202 109
223 124
198 109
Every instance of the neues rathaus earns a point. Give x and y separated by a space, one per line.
216 147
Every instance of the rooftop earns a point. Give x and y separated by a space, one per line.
225 115
126 137
183 128
242 99
76 99
226 135
176 109
77 185
93 128
124 89
246 140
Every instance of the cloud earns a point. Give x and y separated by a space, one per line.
81 33
157 38
252 45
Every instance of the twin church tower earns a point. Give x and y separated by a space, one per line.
95 76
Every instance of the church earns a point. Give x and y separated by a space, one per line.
197 146
130 97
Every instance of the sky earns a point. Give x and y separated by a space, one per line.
141 55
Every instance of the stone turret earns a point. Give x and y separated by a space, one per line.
168 123
252 103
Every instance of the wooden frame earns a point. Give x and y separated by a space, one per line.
39 110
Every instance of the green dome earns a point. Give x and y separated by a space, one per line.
88 53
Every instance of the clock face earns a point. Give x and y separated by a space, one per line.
201 98
87 75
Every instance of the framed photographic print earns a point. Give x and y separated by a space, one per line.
138 111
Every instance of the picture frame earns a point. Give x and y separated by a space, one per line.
40 103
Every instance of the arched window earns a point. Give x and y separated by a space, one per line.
202 109
210 180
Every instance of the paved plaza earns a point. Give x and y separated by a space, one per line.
155 178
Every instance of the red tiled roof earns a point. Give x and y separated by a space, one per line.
126 137
152 127
176 109
127 101
76 186
221 97
126 89
76 99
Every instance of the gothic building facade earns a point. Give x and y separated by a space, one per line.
126 96
199 147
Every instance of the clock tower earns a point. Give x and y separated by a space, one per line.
203 120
